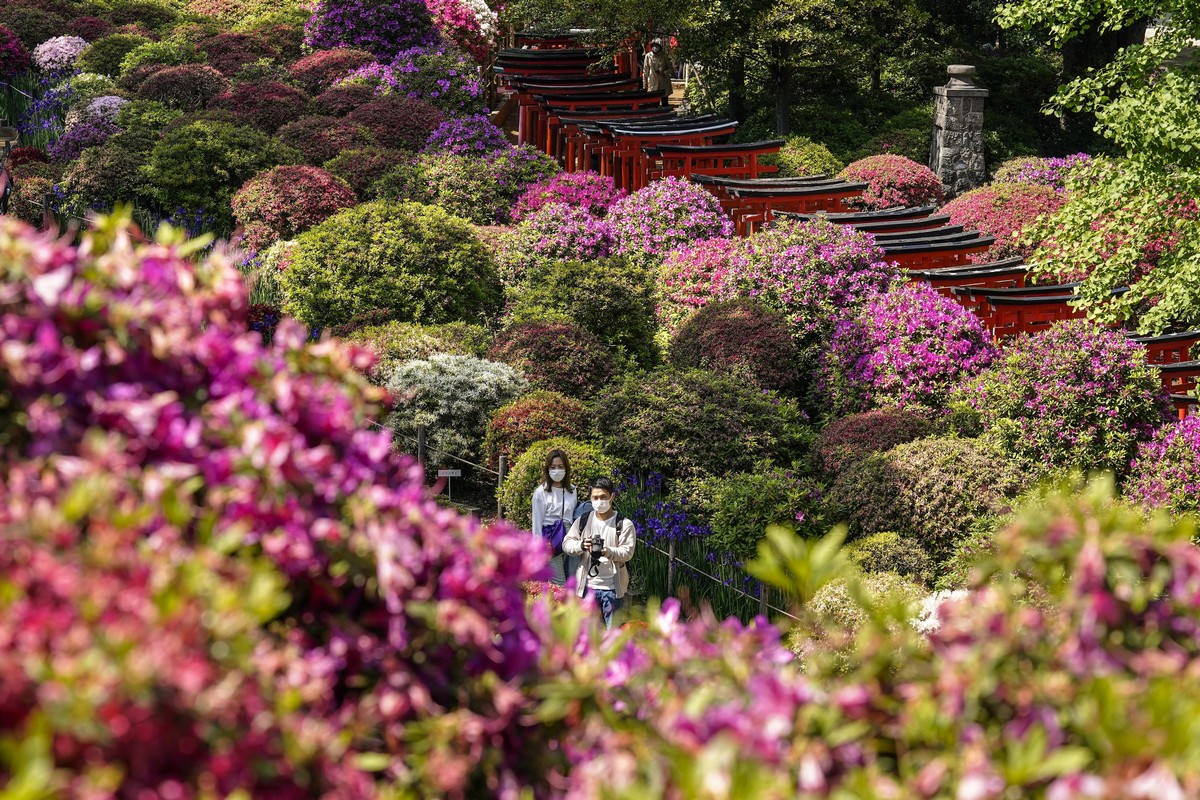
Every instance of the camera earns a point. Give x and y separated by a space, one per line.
597 544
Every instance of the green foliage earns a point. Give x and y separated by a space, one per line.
418 261
739 508
397 342
976 547
104 56
145 117
802 156
905 134
693 423
171 52
200 166
888 551
588 462
841 603
930 490
102 177
612 298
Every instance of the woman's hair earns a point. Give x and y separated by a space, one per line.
553 454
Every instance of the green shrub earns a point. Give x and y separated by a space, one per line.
104 56
200 166
31 24
834 603
978 544
419 261
802 156
556 356
146 13
694 423
588 462
888 551
145 117
739 508
103 176
906 134
397 342
532 418
612 298
171 52
453 397
930 490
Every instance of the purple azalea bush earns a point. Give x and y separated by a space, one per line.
664 215
1073 396
441 75
80 136
1166 472
472 135
382 28
556 232
1052 172
588 190
905 347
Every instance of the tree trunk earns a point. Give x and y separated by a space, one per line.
783 104
737 87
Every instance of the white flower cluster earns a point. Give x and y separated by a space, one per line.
489 20
927 619
59 53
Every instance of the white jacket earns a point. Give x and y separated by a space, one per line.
552 506
613 574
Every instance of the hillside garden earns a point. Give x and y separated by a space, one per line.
225 575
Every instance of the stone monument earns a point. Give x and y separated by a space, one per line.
956 152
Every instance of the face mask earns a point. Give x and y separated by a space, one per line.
601 506
557 475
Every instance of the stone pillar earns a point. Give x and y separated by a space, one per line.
956 152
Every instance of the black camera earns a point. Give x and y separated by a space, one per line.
597 544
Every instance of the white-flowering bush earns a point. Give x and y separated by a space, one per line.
98 110
58 53
453 397
834 602
928 618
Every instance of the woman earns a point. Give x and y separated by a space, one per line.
655 69
553 507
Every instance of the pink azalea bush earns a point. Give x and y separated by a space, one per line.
470 24
1166 472
1073 396
906 347
666 214
283 202
58 53
14 58
894 181
556 232
687 278
187 450
1002 210
588 190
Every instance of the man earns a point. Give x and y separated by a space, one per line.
656 70
605 540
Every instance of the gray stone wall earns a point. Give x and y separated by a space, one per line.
956 152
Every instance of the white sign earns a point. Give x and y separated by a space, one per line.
449 473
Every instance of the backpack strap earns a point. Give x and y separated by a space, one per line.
583 521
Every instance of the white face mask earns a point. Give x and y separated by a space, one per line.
557 475
601 506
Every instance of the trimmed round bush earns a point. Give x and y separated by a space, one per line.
894 181
104 55
396 342
739 336
25 203
146 118
321 139
1032 171
132 80
89 28
188 87
529 419
688 276
318 71
801 156
1166 472
833 601
398 122
555 232
1074 396
169 53
418 261
1002 211
907 347
103 176
382 28
889 552
20 156
228 53
590 191
929 490
441 75
268 105
283 202
200 165
14 56
738 508
556 356
31 24
79 137
453 397
847 440
341 100
693 423
471 135
99 109
364 166
588 463
141 12
664 215
611 298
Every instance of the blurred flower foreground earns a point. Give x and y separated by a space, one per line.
217 581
